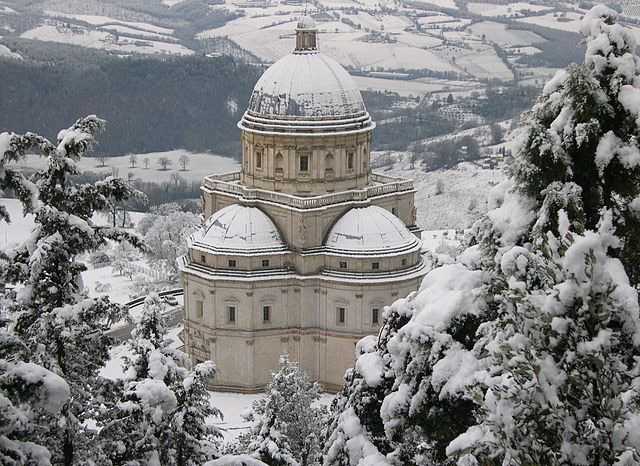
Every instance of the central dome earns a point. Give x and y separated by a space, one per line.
306 93
306 85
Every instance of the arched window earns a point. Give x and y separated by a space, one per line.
328 166
350 160
279 164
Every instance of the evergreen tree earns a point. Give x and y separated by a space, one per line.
162 415
583 130
195 441
29 394
289 425
524 351
62 328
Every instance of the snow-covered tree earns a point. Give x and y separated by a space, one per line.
584 129
194 440
62 328
289 422
29 395
525 350
166 238
162 416
123 255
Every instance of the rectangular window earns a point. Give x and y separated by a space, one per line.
375 316
304 163
350 157
341 315
231 314
343 265
203 259
375 265
266 313
199 309
404 262
258 159
265 263
232 262
394 211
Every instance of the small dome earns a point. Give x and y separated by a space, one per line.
370 230
238 228
306 22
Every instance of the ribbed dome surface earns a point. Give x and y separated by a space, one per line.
370 230
309 85
239 228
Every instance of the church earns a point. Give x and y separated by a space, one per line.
303 247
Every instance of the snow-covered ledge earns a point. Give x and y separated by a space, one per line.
380 185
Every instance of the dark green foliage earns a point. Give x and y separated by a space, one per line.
151 104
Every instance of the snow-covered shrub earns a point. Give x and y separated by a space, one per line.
100 287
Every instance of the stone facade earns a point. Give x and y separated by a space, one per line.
301 250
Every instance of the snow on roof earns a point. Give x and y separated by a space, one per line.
306 85
370 230
239 228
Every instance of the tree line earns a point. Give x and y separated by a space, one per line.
149 104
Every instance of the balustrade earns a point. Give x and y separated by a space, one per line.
228 183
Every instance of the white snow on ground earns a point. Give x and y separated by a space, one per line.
482 62
21 226
102 40
5 10
414 87
171 3
7 53
232 405
126 30
464 185
510 10
199 165
500 34
567 22
97 20
440 3
270 41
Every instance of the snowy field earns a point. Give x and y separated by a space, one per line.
500 34
510 10
199 165
567 22
6 52
97 20
97 39
414 87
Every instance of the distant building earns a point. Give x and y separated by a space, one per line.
459 114
301 249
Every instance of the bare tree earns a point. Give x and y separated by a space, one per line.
164 163
146 162
115 172
177 180
415 153
102 160
439 187
133 160
184 162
